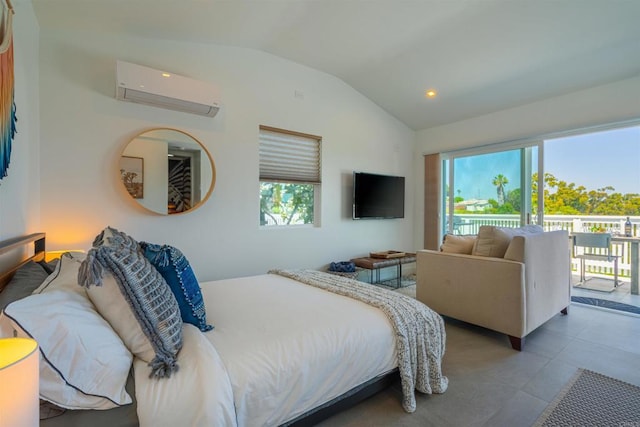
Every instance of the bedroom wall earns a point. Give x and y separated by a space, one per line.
612 103
20 190
84 129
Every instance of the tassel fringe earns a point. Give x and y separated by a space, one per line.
160 257
8 117
162 367
91 271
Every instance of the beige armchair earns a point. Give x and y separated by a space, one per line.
513 291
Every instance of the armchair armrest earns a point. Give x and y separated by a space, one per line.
547 275
485 291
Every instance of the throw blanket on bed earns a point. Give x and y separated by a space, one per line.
419 331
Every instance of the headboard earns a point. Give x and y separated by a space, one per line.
16 250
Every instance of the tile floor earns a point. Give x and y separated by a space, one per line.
492 385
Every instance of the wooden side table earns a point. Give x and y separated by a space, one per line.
375 264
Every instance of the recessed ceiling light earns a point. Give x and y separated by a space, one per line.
431 93
166 75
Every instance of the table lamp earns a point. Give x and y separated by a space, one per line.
19 376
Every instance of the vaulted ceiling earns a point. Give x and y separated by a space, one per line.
480 56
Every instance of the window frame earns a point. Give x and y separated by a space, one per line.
287 177
448 161
435 188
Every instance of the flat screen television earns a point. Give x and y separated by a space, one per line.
377 196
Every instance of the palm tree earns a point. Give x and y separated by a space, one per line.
500 181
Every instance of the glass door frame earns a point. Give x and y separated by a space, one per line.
526 163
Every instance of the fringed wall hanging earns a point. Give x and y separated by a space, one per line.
7 105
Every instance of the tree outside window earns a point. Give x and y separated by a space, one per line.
286 203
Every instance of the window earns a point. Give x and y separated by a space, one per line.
589 180
490 187
584 180
289 177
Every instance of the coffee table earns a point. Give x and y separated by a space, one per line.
375 264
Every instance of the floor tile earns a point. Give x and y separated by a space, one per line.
522 410
550 380
490 384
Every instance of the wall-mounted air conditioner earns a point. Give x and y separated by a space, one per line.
145 85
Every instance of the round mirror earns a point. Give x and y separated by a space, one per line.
167 171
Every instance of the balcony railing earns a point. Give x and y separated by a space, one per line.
470 223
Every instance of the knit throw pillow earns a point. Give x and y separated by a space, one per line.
176 271
134 298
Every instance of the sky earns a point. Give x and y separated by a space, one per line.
474 175
594 160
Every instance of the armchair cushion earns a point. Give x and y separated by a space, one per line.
455 244
493 241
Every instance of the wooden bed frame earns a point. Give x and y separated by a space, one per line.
310 418
11 245
346 401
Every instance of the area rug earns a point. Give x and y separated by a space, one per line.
409 291
593 399
603 303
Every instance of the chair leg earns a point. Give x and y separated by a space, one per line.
516 342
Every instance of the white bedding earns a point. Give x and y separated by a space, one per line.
279 349
199 394
289 347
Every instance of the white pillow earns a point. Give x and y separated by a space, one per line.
83 362
65 275
113 306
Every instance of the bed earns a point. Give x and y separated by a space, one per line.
266 362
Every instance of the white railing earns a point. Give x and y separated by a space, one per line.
470 223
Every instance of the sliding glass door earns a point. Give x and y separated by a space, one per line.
491 187
585 181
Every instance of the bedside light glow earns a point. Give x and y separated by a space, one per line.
51 255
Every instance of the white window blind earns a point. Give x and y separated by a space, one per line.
287 156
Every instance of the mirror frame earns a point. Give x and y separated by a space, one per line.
202 147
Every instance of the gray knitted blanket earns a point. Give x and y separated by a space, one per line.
419 331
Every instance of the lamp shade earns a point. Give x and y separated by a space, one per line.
19 375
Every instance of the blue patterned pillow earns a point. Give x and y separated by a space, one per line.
174 267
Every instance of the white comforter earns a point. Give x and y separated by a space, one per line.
199 394
279 349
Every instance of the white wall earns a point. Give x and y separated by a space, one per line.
20 190
84 129
600 105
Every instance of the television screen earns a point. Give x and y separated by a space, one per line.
377 196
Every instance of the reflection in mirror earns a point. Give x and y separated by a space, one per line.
167 171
